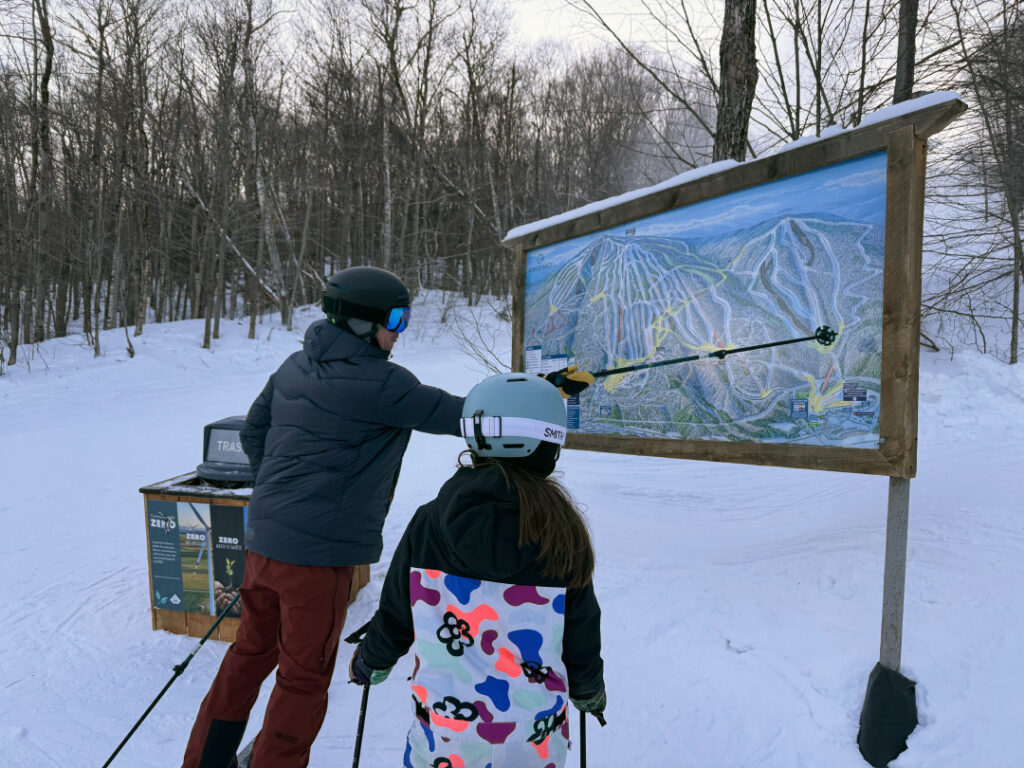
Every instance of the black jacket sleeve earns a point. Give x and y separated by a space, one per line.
581 644
406 403
257 422
391 630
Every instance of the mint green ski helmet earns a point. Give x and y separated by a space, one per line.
509 415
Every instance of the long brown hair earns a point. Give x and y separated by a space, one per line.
548 517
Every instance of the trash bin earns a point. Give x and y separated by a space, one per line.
195 531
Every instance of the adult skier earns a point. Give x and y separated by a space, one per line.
491 585
325 438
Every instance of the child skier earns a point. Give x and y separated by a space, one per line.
492 582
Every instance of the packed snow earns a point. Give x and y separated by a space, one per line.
741 605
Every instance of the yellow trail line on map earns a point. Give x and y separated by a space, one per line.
816 402
661 331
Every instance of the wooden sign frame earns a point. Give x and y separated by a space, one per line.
904 139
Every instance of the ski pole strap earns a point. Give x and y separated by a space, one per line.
357 636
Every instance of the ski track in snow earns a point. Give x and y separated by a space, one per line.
741 605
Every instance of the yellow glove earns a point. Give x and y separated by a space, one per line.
570 381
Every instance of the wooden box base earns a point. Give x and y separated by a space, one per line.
188 551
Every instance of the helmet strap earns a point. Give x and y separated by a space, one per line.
372 339
342 308
478 431
345 323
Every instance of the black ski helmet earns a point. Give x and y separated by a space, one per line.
364 293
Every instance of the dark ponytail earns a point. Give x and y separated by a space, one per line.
549 518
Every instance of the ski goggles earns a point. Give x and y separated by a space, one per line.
397 319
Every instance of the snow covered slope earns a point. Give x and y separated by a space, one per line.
741 605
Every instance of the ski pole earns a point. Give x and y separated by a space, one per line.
583 739
362 722
178 669
355 638
583 734
823 335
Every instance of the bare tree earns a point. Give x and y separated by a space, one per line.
906 52
171 160
979 266
737 61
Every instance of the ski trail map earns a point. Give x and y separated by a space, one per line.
764 264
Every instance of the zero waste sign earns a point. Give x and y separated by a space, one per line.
165 555
196 555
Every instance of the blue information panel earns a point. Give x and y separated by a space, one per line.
165 555
196 555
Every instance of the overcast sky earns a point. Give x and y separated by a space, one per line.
541 19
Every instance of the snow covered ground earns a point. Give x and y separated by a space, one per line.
742 605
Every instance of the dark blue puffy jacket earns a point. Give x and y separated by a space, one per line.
326 438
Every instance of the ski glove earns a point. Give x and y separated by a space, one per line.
359 672
570 381
595 704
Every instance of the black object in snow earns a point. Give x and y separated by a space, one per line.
888 717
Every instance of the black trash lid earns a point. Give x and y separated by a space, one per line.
224 459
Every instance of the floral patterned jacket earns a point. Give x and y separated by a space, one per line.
499 647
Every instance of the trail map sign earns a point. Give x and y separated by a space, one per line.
825 234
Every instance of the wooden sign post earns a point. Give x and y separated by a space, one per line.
825 233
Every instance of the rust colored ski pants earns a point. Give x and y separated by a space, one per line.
292 617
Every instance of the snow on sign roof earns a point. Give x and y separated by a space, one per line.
600 205
878 116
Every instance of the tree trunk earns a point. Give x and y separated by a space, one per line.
96 325
738 63
143 296
39 295
15 315
218 297
385 227
254 293
61 308
1018 266
906 51
86 307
